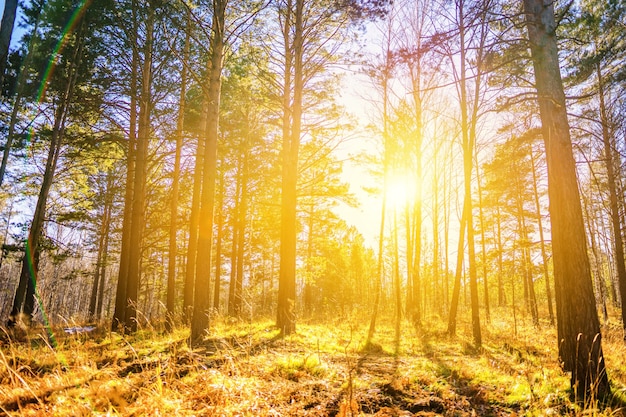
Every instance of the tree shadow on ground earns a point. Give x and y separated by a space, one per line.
470 397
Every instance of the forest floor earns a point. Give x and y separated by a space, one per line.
322 370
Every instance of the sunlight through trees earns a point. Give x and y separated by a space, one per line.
442 164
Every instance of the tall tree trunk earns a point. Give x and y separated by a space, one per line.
218 244
242 214
121 300
104 261
415 260
232 285
456 289
98 280
286 319
615 218
137 214
173 247
529 285
194 219
544 255
6 30
396 282
597 264
380 268
483 246
202 292
580 348
501 295
469 140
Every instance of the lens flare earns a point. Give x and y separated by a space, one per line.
47 75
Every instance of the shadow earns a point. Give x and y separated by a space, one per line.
238 343
471 397
40 397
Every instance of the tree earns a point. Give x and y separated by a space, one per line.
172 253
413 54
200 318
599 63
6 30
34 14
544 255
76 61
95 301
580 347
121 299
311 35
137 213
382 75
470 22
293 38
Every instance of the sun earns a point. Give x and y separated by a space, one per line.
400 191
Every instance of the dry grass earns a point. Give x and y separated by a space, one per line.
323 370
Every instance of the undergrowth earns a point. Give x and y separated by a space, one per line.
245 369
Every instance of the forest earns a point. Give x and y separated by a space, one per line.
313 208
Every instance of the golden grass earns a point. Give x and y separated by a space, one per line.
243 369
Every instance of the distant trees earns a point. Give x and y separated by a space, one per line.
311 35
597 66
511 193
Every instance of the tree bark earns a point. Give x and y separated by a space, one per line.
618 242
597 264
98 281
104 261
232 285
544 255
6 30
194 219
292 119
501 295
202 291
218 245
456 289
242 214
484 247
469 140
580 348
173 247
397 284
119 313
137 214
